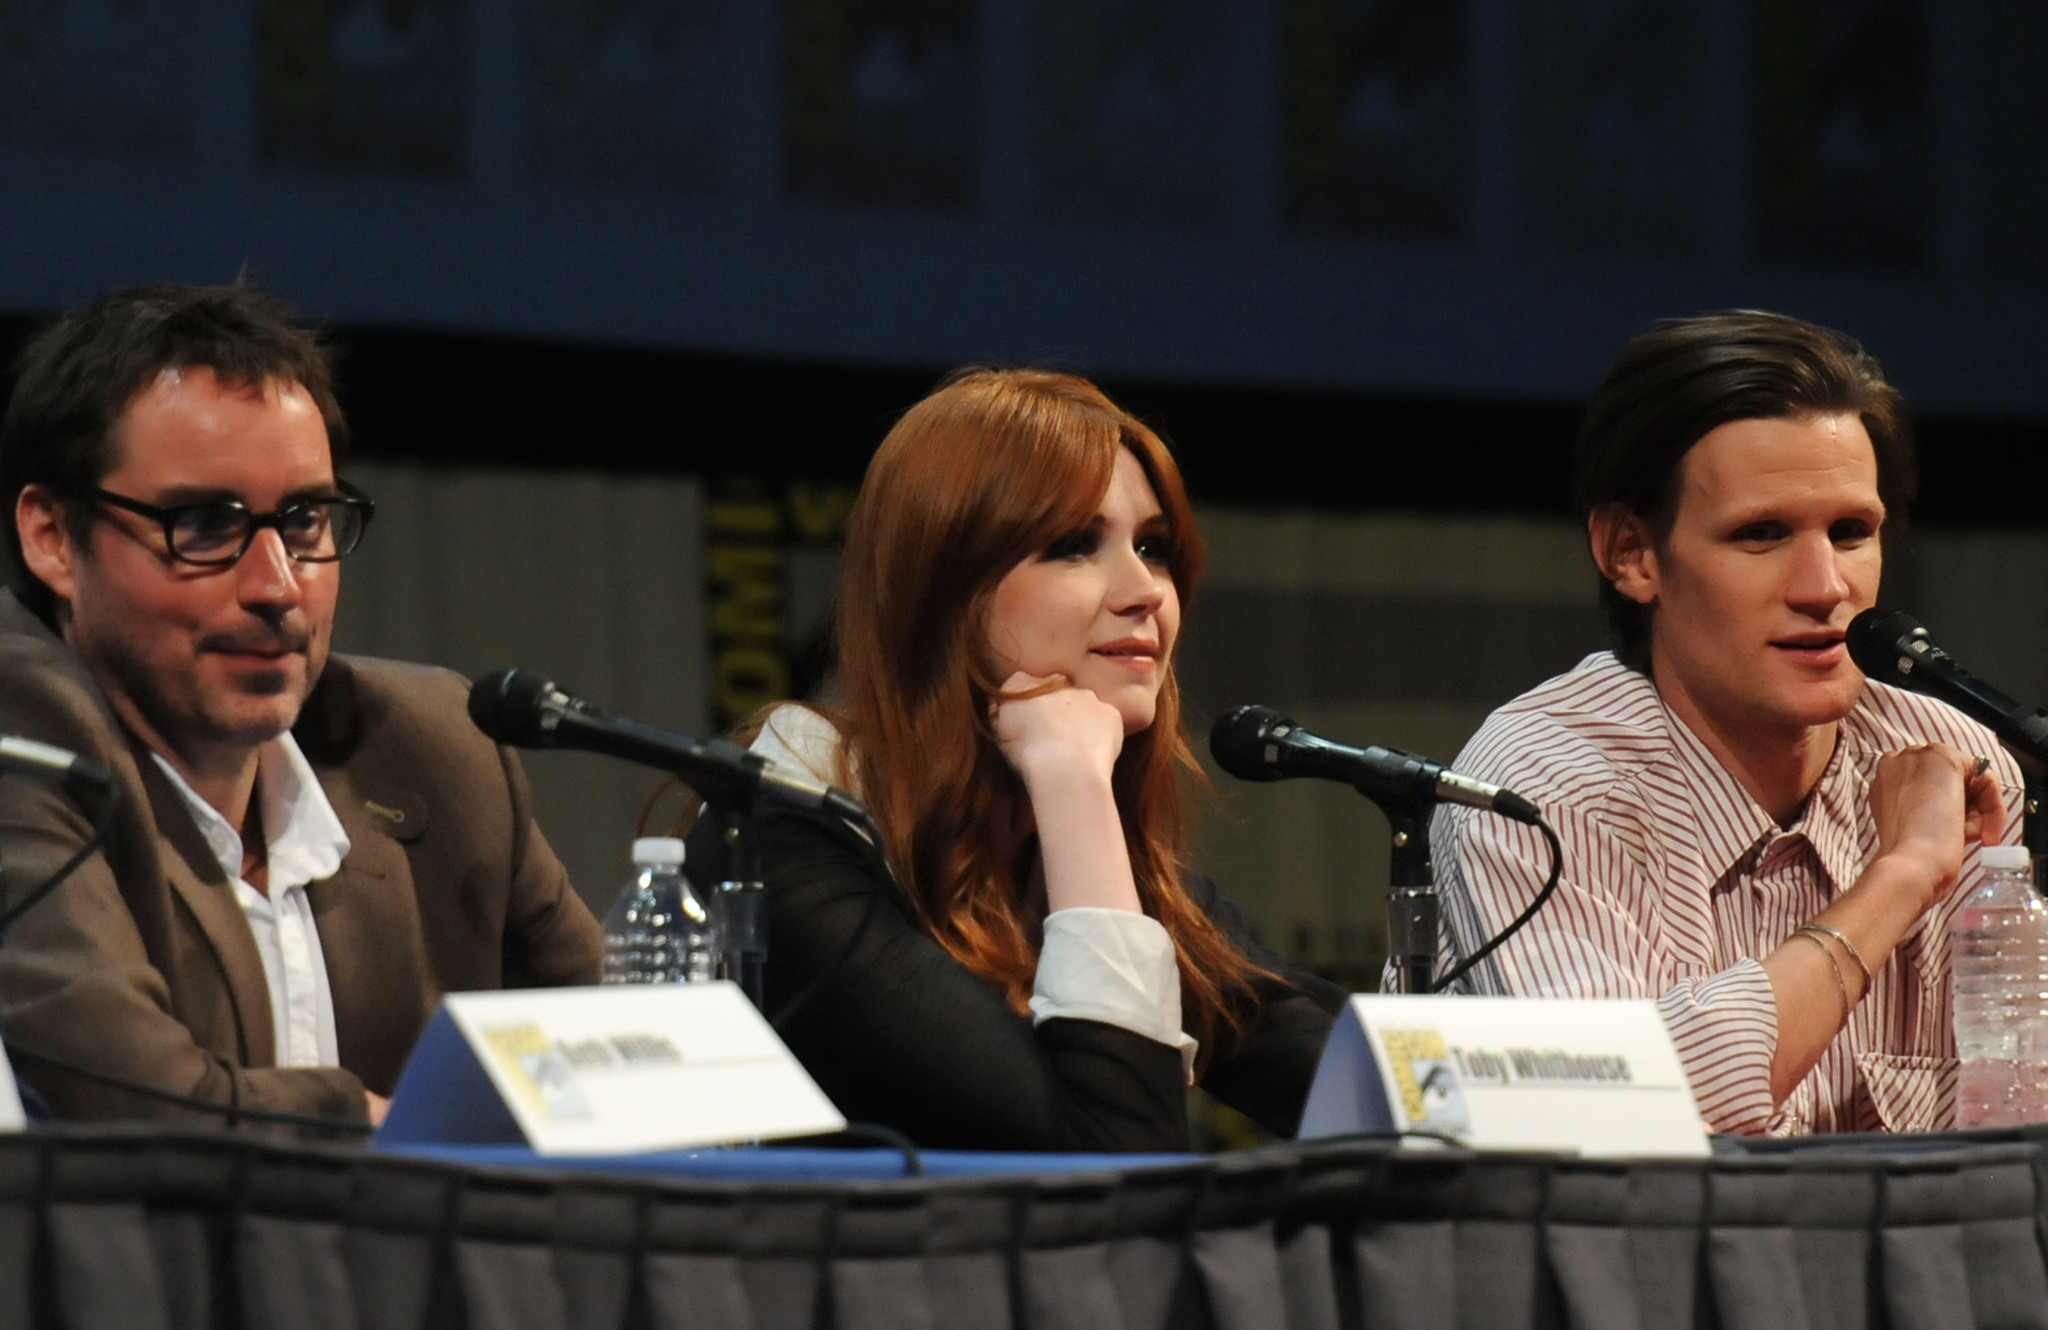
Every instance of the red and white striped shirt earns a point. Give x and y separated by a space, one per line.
1675 881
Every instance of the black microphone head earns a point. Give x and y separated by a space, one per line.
1241 739
505 704
1874 643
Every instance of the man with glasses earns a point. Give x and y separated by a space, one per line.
306 852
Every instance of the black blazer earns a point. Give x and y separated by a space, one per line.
901 1034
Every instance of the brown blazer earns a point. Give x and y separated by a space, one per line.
141 963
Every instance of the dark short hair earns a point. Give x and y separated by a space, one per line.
1680 379
76 377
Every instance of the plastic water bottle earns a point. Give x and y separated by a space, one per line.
658 930
1998 945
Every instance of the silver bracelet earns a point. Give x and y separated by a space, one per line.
1817 940
1848 946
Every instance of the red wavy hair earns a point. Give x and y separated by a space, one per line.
984 473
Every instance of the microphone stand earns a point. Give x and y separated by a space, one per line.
743 940
1411 902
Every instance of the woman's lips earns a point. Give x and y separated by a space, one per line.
1130 655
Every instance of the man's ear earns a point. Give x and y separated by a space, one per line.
46 544
1625 551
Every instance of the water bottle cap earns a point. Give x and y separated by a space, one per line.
2005 856
658 850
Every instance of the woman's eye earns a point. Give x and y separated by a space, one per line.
1156 548
1079 545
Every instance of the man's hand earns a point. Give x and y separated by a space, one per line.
1929 802
378 1106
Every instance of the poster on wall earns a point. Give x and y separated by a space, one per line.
630 92
2014 178
881 103
376 87
99 78
1841 129
1131 110
1376 118
1611 157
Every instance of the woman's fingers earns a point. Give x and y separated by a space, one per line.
1046 727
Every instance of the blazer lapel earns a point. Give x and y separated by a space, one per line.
369 927
196 878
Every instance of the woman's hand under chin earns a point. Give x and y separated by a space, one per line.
1064 743
1056 732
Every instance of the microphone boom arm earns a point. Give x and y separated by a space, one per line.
714 768
1259 744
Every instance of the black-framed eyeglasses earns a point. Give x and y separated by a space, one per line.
214 533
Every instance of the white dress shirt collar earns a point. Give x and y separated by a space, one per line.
304 843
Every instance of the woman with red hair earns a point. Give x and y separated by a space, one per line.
1041 972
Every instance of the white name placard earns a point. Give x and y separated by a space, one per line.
1494 1073
604 1070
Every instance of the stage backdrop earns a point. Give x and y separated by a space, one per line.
1438 196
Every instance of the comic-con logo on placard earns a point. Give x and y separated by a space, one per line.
1427 1080
538 1072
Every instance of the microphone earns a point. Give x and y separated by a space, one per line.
1258 743
1891 647
520 708
61 766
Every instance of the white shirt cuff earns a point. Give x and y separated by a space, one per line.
1112 966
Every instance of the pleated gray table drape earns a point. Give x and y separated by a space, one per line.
162 1231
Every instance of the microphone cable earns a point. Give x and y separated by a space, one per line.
1493 944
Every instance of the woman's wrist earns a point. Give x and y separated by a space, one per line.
1081 844
1064 777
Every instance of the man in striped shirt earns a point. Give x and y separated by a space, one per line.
1755 836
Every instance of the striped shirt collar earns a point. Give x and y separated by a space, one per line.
1734 830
